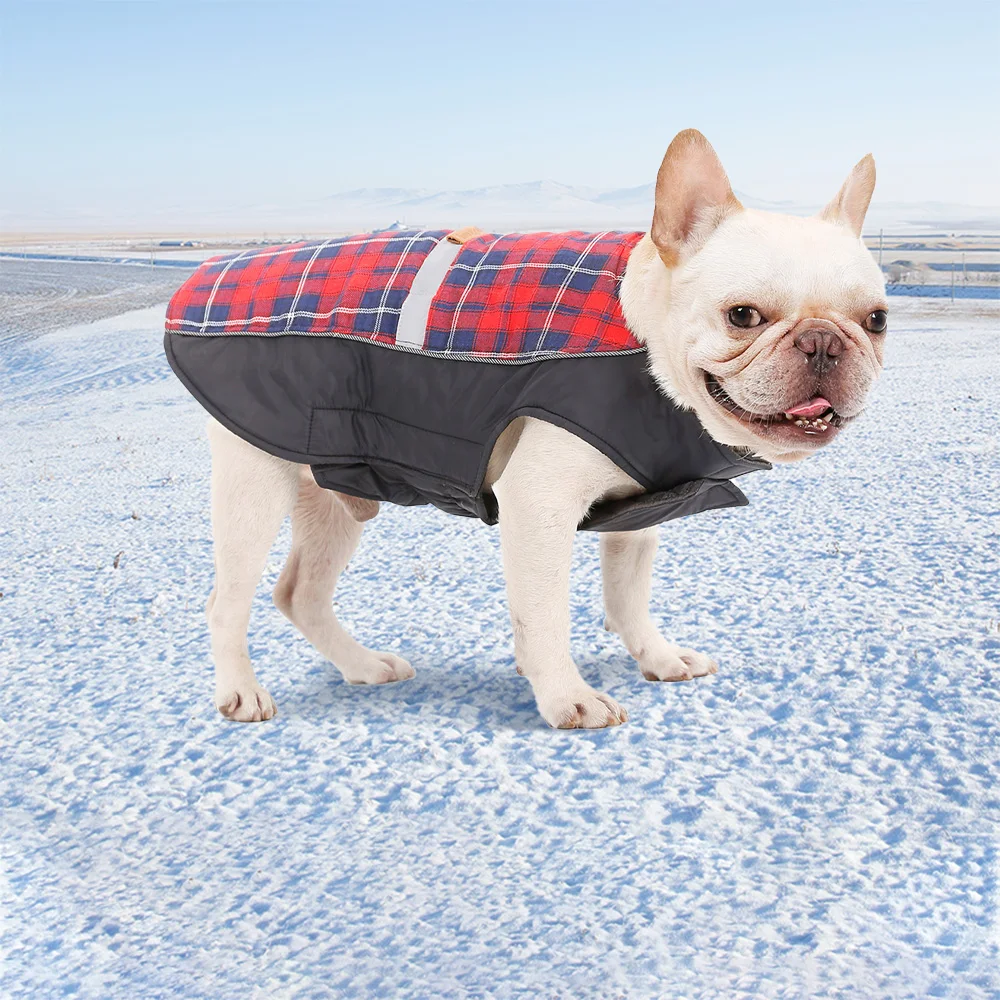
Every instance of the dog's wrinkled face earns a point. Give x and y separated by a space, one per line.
775 324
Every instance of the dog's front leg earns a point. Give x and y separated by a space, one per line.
541 502
627 569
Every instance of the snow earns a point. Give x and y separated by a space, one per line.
39 295
820 819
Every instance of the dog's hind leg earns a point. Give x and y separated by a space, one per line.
325 532
627 569
252 493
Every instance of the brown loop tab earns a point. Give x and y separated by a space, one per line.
465 234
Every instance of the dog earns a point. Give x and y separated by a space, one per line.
766 331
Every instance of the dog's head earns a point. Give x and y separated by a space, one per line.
770 327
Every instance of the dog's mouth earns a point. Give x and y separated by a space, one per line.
812 418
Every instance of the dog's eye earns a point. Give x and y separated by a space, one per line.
745 316
877 321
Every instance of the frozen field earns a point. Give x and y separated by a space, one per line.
819 819
43 295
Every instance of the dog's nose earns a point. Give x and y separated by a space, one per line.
820 346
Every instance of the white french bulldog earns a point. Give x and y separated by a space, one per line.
769 327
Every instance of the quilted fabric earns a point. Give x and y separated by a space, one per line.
504 296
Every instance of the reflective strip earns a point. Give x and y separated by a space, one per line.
411 330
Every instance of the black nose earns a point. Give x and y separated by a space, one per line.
821 347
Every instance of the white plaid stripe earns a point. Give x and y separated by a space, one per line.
382 308
218 282
302 283
277 317
531 263
570 271
465 292
270 252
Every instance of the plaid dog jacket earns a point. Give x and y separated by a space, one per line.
391 362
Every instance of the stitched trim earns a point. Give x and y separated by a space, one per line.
494 359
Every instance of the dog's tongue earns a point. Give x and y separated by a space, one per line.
813 408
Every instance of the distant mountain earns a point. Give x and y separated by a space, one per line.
550 204
544 204
534 204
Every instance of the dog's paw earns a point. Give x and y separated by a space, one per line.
245 702
377 668
580 707
674 663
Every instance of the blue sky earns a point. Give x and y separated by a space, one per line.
115 107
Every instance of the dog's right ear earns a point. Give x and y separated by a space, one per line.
693 196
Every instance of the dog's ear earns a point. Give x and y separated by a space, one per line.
693 196
849 206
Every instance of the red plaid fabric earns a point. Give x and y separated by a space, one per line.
505 296
353 285
529 293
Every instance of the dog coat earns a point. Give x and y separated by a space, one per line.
391 362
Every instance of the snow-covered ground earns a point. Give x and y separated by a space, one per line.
820 819
40 295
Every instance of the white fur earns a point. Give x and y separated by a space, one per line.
545 479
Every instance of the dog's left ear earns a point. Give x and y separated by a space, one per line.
693 196
850 205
